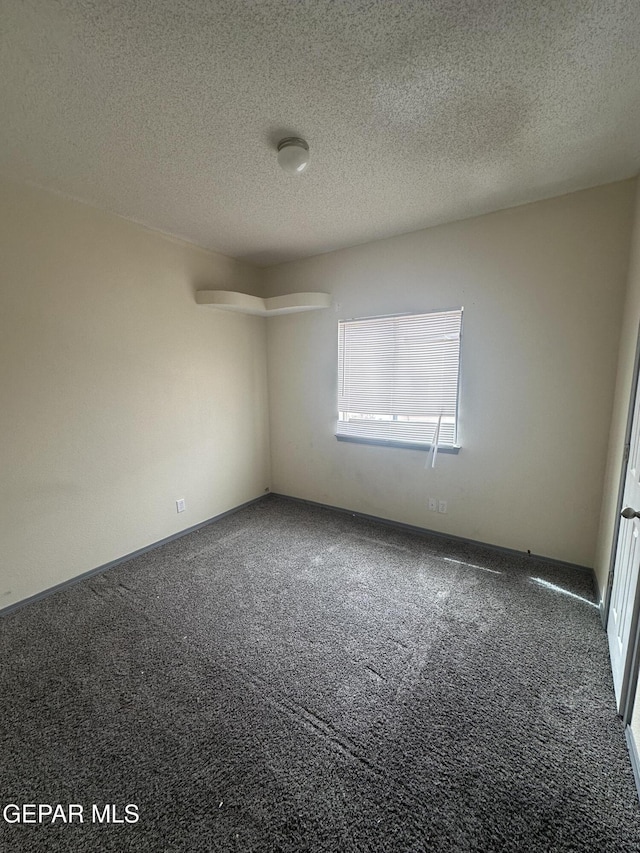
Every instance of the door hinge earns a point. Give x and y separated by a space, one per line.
627 448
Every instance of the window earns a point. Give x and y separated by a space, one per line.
398 379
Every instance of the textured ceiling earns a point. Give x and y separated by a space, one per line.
417 112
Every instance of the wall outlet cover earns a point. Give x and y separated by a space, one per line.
180 505
442 506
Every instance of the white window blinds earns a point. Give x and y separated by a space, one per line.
398 378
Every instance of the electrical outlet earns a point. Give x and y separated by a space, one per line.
433 505
180 505
442 506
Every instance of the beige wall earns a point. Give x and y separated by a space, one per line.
118 394
543 288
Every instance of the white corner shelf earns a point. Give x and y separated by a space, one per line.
244 303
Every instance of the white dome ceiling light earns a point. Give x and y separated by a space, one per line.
293 155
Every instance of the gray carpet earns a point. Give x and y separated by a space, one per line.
294 679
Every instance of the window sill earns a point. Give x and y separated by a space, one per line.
405 445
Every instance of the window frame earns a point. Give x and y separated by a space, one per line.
453 449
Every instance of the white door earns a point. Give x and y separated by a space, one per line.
623 611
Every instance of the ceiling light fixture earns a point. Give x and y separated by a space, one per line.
293 155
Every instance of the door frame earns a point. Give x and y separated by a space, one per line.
629 683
